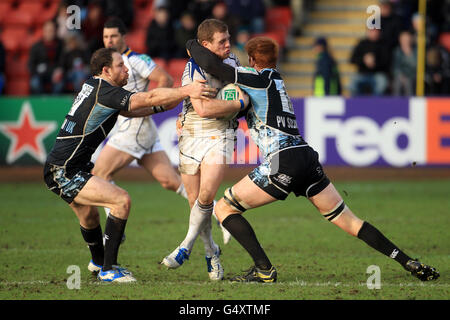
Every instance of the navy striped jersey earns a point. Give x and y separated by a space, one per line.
92 116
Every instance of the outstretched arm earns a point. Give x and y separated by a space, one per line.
152 100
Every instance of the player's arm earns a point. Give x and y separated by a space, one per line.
168 97
213 65
210 62
216 108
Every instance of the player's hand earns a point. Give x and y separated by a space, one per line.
178 126
199 90
243 95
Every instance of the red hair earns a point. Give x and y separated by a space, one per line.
264 51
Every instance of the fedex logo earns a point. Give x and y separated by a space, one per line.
365 132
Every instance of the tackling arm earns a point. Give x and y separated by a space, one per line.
216 108
210 62
168 97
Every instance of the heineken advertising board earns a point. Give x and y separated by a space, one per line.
28 128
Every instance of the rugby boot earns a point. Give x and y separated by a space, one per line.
254 274
176 258
421 271
214 267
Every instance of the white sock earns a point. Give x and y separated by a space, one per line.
182 191
198 219
206 236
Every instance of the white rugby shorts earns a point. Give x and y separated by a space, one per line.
136 136
212 150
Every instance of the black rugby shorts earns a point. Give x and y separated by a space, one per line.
296 170
66 182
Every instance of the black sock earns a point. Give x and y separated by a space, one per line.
94 239
114 230
243 232
374 238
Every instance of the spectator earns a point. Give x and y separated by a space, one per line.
201 9
251 13
73 65
122 9
326 77
61 20
186 31
220 12
431 33
404 66
160 42
176 8
92 27
238 49
43 59
437 72
2 67
372 59
391 25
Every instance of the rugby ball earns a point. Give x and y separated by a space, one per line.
229 92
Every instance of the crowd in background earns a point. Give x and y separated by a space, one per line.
385 58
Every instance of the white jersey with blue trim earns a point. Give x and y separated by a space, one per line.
194 125
140 66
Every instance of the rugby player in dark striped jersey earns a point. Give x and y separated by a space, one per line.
88 122
290 164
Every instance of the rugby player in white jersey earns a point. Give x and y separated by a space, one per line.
206 146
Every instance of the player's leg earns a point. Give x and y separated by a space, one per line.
109 162
99 192
192 184
242 196
159 166
92 233
332 207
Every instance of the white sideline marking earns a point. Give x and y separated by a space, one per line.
299 283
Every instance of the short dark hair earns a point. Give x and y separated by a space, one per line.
101 58
115 22
206 29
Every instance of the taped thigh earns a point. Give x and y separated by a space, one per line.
234 201
335 212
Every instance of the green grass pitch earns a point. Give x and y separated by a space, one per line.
40 239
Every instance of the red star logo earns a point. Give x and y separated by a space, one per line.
26 135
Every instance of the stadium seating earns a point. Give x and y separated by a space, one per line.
143 12
12 38
17 65
175 68
136 40
17 87
5 7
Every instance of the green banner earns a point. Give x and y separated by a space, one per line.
28 127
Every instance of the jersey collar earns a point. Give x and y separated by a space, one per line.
127 51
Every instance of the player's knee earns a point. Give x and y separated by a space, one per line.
206 196
223 210
169 184
102 172
121 208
